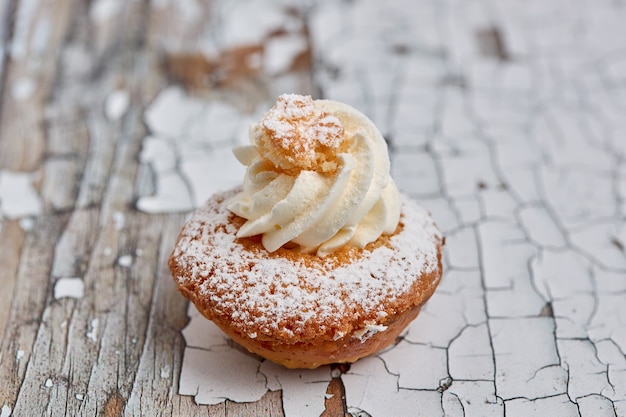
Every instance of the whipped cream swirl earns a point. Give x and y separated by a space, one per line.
317 178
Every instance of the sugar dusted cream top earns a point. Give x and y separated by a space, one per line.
317 178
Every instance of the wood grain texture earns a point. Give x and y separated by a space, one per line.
118 349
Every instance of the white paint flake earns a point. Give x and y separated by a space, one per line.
473 398
125 261
527 361
48 383
103 10
247 23
559 405
116 104
27 223
189 151
6 411
92 333
19 354
69 288
595 405
470 357
541 227
213 370
119 220
369 387
80 397
424 370
18 197
23 89
281 51
171 112
212 376
304 391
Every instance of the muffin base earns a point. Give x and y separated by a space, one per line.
300 310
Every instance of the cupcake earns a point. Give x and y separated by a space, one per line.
316 258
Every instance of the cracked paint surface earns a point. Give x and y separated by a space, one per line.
504 119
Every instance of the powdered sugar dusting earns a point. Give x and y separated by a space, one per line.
295 131
292 291
294 106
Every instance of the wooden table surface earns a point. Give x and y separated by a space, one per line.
508 128
60 61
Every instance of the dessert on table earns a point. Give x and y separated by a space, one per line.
317 258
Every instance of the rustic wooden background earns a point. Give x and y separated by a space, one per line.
506 120
100 354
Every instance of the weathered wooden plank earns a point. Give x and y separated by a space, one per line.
6 24
269 405
179 26
156 380
55 334
30 72
118 348
11 240
28 303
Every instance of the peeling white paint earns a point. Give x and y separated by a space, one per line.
18 197
170 113
303 391
23 89
116 104
371 388
92 333
214 375
104 10
280 52
6 411
119 220
27 223
69 288
125 261
213 370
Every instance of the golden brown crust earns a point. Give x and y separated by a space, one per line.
301 310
